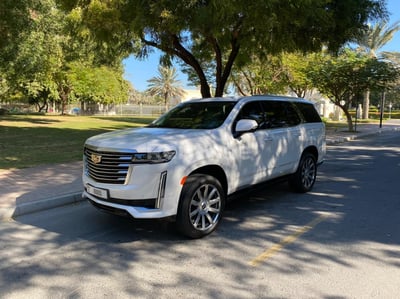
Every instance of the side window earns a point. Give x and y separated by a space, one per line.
309 113
292 117
280 114
253 111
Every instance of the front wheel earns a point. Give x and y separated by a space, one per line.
201 204
304 178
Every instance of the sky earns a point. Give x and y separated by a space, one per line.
138 72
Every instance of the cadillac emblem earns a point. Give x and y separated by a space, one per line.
96 159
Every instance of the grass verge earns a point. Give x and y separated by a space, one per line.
30 140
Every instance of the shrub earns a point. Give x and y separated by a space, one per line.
3 111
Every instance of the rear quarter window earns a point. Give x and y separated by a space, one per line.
309 113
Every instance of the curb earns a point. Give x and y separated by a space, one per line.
350 138
46 204
40 205
361 135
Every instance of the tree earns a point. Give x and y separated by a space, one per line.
97 84
344 77
393 57
16 19
296 67
219 34
38 57
373 39
165 85
261 76
39 64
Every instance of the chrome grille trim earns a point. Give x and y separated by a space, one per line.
112 169
161 189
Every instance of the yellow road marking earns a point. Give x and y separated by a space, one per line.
289 239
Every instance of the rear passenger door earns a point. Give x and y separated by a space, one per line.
284 134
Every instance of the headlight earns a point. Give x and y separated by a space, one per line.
156 157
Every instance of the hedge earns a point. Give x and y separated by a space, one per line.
377 114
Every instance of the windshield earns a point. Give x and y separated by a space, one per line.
195 115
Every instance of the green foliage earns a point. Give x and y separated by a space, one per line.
376 114
343 78
296 71
261 76
16 20
97 84
394 115
4 88
380 75
49 54
211 36
38 57
374 37
43 61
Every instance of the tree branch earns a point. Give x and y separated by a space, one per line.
180 51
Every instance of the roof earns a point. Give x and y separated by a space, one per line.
249 98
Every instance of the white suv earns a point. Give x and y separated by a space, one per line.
188 161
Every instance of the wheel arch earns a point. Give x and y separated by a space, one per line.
312 150
215 171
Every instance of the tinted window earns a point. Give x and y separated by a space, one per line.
280 114
309 113
205 115
253 111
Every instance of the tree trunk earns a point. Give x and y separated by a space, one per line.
166 102
365 114
205 88
43 107
181 52
222 73
63 91
348 118
64 99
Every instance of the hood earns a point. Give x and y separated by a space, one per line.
143 139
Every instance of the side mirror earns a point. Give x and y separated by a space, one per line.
244 126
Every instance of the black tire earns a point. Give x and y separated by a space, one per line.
201 205
304 178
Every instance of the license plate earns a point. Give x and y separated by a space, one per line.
102 193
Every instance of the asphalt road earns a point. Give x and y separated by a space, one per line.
340 241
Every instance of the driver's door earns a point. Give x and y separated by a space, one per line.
254 148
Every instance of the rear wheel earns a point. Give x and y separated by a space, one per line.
201 205
304 178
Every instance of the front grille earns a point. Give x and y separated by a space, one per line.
107 167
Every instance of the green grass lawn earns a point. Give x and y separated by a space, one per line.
27 141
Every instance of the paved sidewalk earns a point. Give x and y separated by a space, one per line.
29 190
363 130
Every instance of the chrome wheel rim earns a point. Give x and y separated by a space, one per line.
308 173
205 207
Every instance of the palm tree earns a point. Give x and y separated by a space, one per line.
393 57
165 85
373 39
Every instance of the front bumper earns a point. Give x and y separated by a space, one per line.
149 192
123 210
